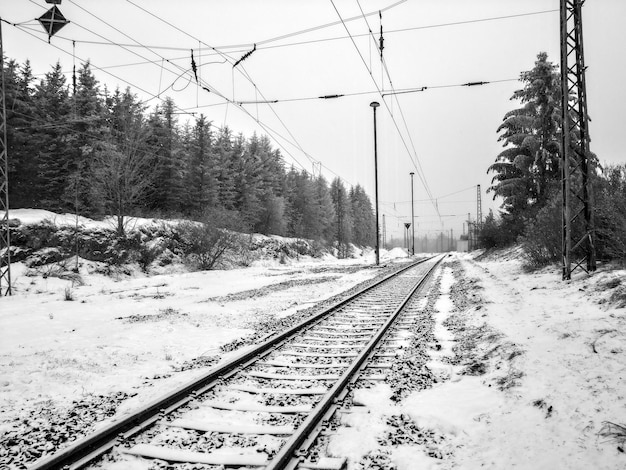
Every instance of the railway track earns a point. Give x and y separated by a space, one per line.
268 406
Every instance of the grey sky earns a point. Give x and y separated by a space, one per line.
451 136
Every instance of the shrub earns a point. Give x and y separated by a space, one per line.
610 213
541 239
147 253
206 242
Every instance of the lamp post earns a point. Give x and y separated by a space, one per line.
374 105
412 218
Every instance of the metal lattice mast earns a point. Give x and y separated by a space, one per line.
576 159
5 236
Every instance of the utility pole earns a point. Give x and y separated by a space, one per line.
384 233
469 232
412 218
374 105
577 163
5 234
479 214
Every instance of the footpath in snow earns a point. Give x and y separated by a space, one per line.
541 374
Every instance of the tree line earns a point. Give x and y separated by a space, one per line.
80 147
527 177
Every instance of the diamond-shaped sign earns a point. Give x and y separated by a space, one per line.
52 21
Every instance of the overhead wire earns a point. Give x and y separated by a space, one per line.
267 41
242 70
385 103
242 47
260 44
96 67
184 71
152 95
420 172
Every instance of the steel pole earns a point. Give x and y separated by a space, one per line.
412 218
374 105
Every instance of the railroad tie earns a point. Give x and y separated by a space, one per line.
269 375
258 408
176 455
280 390
232 428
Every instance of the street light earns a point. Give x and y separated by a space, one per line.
412 218
374 105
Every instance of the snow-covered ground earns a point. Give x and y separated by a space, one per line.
530 367
542 373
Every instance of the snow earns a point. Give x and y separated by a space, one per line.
552 418
563 342
32 216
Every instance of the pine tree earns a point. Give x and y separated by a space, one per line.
52 103
271 178
363 220
164 139
87 122
343 217
201 183
323 209
224 169
248 180
527 169
22 124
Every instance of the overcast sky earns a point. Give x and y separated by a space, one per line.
446 134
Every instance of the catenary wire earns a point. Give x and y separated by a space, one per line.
406 127
157 96
386 105
244 73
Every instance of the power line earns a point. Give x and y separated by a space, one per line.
473 187
385 103
242 71
391 31
214 90
421 173
244 46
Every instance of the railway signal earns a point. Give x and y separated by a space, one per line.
52 20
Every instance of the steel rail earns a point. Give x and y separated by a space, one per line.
97 444
286 452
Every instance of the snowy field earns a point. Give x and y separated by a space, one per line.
530 368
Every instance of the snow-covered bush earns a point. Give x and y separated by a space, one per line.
205 244
541 240
610 214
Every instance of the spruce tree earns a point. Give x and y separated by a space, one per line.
528 168
52 103
87 118
201 183
364 224
343 217
164 139
224 168
22 124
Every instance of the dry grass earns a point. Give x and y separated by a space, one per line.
614 432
